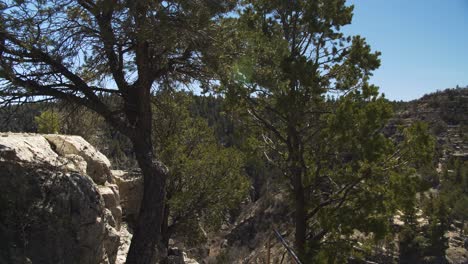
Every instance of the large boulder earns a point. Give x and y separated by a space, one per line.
111 197
67 154
130 185
49 216
28 148
98 166
51 210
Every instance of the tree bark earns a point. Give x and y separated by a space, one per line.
297 170
147 245
300 217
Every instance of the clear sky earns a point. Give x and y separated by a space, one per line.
424 44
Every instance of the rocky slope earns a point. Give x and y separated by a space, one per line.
250 238
446 112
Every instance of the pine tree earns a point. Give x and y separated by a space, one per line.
47 122
279 62
78 51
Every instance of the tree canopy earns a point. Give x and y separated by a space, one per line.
285 67
79 51
291 70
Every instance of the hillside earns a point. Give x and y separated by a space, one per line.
251 238
446 112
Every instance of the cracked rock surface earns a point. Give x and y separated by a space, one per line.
57 200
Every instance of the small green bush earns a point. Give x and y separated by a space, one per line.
47 122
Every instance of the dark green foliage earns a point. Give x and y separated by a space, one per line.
207 180
422 242
284 60
47 122
454 189
20 118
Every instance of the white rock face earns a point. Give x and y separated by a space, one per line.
188 260
98 166
131 192
69 153
76 163
125 240
110 194
29 148
69 171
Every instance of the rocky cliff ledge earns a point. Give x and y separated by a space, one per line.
59 202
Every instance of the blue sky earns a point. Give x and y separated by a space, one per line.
424 44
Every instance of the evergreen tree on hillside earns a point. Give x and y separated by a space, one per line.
207 179
283 59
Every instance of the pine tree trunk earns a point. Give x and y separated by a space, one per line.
296 171
300 214
147 246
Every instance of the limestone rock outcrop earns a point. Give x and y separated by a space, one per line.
29 148
98 166
130 186
111 197
58 203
